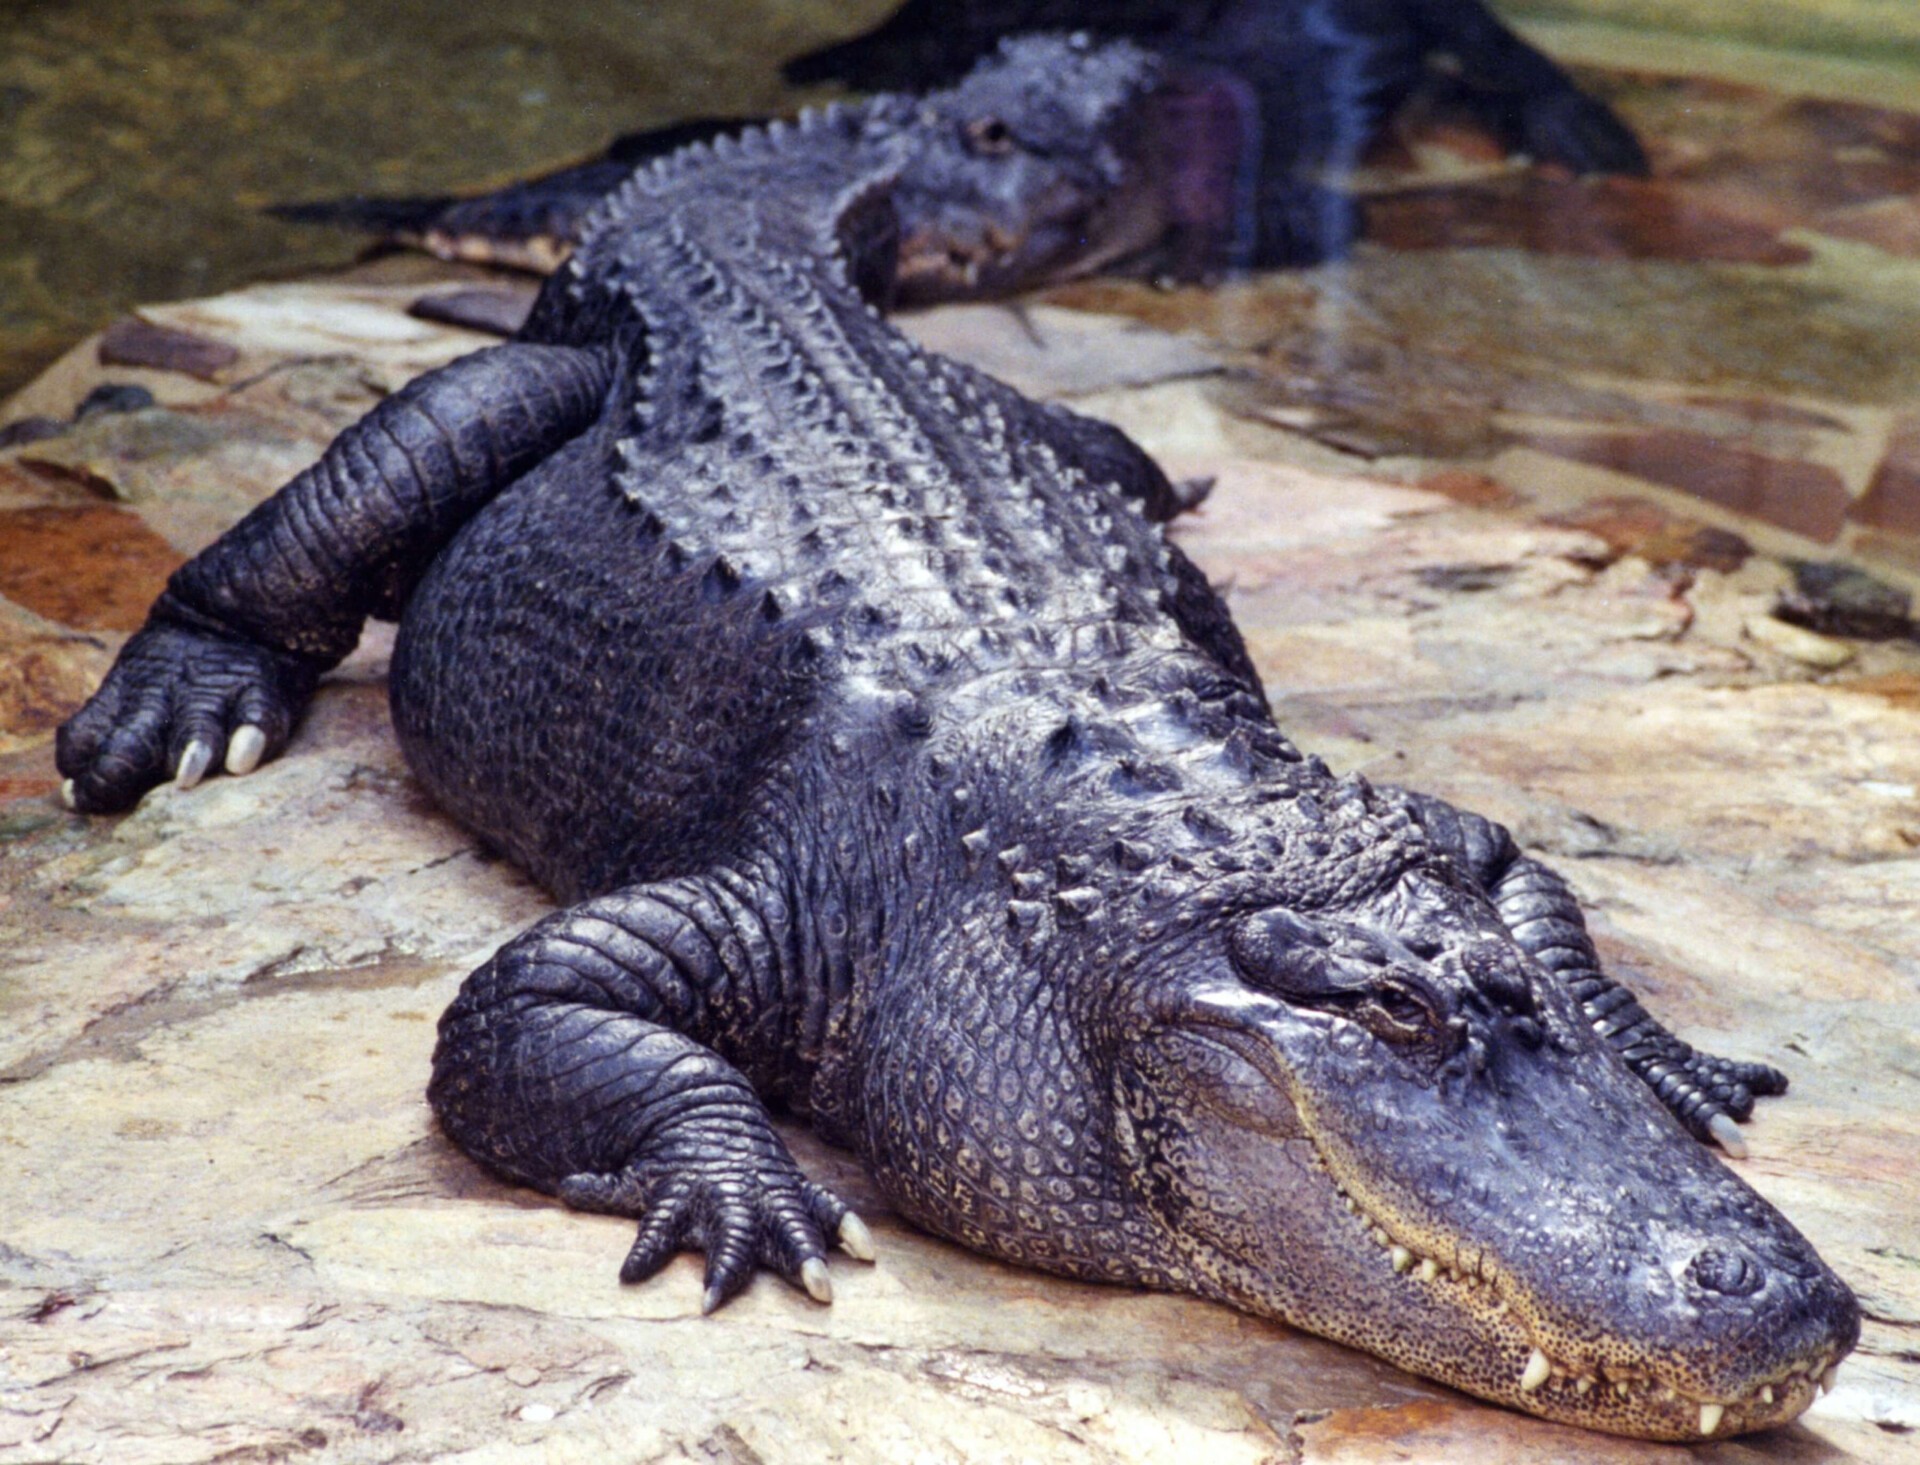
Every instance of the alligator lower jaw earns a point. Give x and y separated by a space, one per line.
1616 1400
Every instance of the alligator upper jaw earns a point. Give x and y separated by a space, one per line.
1542 1235
1503 1349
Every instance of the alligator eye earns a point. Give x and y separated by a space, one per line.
988 137
1395 1012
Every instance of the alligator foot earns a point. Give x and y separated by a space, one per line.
1710 1096
1707 1094
177 704
743 1213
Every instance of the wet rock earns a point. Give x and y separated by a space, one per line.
1892 499
1807 498
90 566
1838 599
1475 490
30 430
46 673
132 341
113 397
1889 224
498 311
1641 528
1809 648
1045 351
1598 218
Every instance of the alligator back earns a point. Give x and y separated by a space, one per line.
791 525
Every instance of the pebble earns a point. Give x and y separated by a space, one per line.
1809 648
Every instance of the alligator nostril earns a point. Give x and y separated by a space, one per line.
1731 1273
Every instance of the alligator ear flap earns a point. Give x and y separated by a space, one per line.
1282 952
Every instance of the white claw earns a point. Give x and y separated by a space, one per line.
813 1276
1728 1134
1539 1370
1402 1258
66 793
244 749
194 763
1827 1378
855 1239
1710 1417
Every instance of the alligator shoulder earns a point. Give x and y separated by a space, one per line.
900 772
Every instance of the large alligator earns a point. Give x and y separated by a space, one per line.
1262 104
901 773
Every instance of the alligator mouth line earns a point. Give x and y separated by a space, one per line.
1484 1290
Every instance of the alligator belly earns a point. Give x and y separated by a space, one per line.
566 686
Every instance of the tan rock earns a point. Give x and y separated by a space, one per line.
230 1229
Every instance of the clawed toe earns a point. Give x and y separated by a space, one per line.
855 1239
245 749
780 1222
193 764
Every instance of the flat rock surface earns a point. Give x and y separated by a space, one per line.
229 1229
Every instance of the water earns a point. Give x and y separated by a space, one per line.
137 143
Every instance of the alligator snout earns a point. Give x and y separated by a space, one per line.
1726 1270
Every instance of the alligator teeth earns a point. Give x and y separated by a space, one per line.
1402 1258
1766 1394
1621 1387
1710 1417
1538 1371
1583 1386
1429 1269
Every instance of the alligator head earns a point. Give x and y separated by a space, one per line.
1038 166
1360 1107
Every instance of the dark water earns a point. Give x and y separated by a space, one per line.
137 142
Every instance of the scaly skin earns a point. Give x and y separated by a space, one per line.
904 774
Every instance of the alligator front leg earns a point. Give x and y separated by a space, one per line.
581 1060
231 651
1707 1094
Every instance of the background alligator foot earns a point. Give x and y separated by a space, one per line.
1709 1095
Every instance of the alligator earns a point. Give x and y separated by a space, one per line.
1262 105
1298 88
898 772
